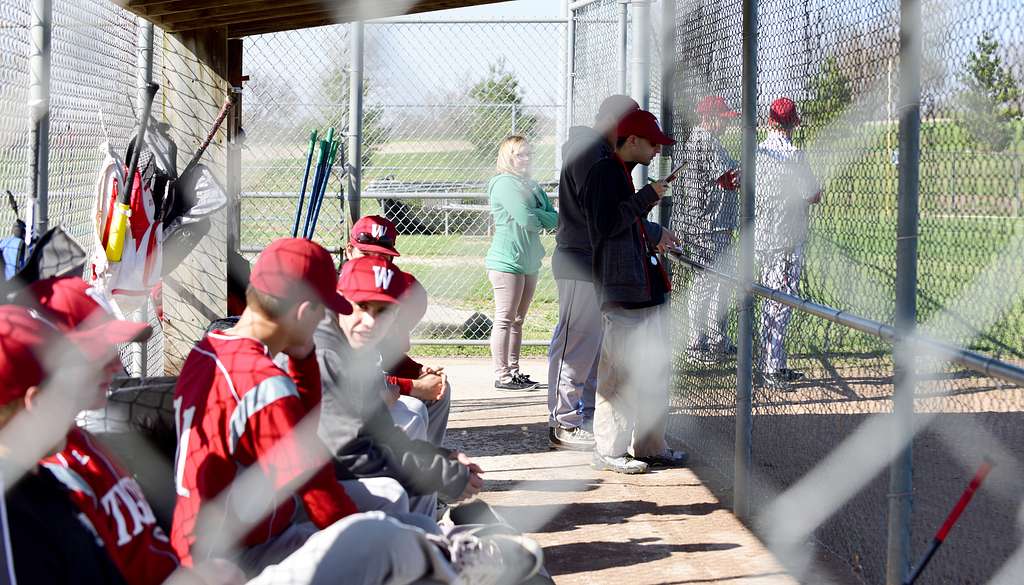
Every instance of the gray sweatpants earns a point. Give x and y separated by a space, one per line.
424 420
633 382
363 549
574 354
513 294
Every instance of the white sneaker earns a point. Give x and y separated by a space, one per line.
501 559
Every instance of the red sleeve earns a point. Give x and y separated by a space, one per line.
404 384
306 375
406 367
291 455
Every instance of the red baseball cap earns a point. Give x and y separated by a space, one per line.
22 338
371 278
299 270
715 105
783 113
643 124
74 306
374 233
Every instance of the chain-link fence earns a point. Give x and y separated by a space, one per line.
93 72
817 382
438 98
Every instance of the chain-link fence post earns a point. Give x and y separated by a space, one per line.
901 468
355 122
745 299
623 47
570 71
39 108
641 64
667 105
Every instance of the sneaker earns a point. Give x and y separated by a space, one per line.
475 512
783 377
525 378
501 559
624 464
513 384
574 439
667 458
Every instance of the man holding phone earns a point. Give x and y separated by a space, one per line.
632 287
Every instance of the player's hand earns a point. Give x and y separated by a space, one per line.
430 370
816 198
428 387
668 240
730 180
391 395
660 187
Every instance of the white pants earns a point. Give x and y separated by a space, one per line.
362 549
780 271
633 383
424 420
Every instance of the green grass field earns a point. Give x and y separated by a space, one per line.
970 218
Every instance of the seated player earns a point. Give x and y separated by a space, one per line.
355 422
424 394
247 444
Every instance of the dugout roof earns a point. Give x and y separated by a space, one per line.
252 17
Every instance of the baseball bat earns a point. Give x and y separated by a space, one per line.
122 209
940 536
305 181
209 137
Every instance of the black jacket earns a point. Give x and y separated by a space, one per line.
49 542
620 258
573 256
357 427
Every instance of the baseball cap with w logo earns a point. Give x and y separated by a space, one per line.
375 234
372 278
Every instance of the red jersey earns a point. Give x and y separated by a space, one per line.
232 406
113 504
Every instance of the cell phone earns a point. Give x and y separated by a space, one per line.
672 176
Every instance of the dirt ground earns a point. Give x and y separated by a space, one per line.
596 527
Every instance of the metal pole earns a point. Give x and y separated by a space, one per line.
901 501
641 64
144 76
39 110
623 45
570 73
355 122
143 62
668 97
745 334
565 119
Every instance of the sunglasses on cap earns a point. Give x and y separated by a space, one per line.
367 238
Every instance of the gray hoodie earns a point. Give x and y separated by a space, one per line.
357 427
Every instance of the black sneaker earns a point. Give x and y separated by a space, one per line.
513 384
624 464
525 378
786 376
574 439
